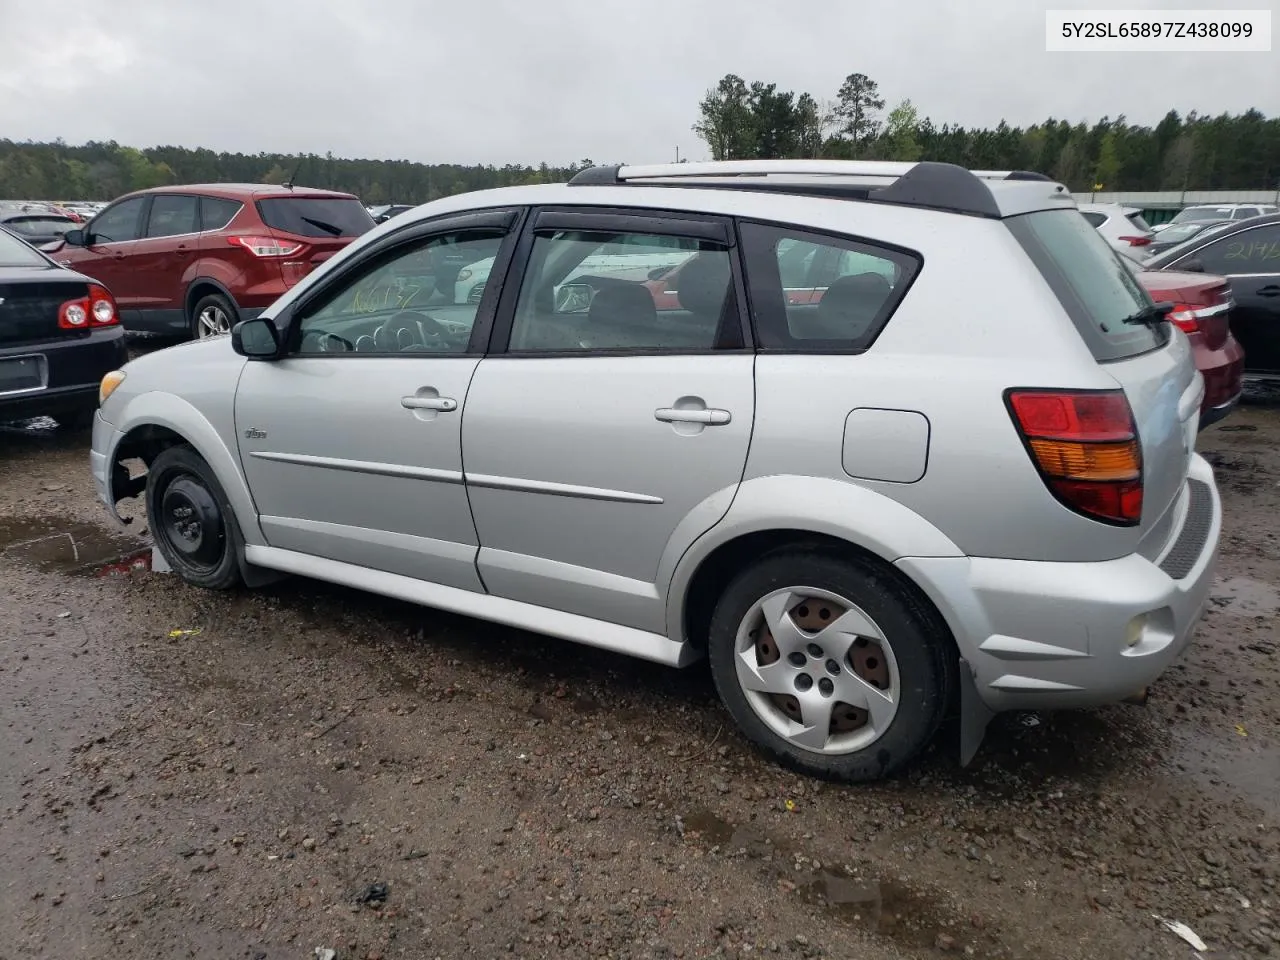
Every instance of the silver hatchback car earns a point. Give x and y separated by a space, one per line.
881 441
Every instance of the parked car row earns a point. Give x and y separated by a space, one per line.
779 421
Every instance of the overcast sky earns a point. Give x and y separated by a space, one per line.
521 81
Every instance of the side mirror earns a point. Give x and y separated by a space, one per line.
256 339
76 238
574 298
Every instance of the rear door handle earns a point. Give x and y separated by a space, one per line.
119 255
1270 290
443 404
711 418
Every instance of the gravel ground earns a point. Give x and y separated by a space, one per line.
255 775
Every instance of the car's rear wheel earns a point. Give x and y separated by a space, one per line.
830 664
191 521
212 316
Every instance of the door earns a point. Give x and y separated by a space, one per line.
607 428
1250 260
351 444
110 241
161 258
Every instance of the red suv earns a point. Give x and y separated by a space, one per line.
193 260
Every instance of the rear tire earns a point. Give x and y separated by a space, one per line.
213 315
830 664
191 522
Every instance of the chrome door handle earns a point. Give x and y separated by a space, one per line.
712 418
444 404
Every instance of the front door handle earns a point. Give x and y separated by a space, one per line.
710 418
119 255
443 404
1270 290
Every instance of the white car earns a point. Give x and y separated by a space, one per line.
1122 227
1218 211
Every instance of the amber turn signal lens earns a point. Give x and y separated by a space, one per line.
109 384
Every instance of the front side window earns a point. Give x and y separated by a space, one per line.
618 291
820 293
171 215
1249 251
119 223
414 299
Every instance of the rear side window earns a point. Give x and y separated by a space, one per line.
216 212
1091 282
816 293
172 215
316 216
1095 219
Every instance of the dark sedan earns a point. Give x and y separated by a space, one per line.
59 335
36 226
1247 253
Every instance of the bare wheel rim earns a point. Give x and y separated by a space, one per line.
817 670
213 321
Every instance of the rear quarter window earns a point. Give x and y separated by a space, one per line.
316 216
1097 291
815 293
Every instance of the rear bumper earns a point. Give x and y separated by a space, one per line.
1042 635
1223 372
74 370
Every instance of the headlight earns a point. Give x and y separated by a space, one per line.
464 274
109 384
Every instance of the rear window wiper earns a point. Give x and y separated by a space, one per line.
1149 316
323 225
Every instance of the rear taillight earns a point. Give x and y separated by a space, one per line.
1183 316
1085 445
266 246
98 309
1137 241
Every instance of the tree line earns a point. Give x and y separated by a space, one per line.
740 120
103 171
736 120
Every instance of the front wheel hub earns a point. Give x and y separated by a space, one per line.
191 522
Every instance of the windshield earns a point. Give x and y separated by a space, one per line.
1094 285
316 216
17 253
1176 233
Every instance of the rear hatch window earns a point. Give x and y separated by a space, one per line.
327 217
1091 282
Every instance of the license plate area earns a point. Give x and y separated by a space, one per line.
26 374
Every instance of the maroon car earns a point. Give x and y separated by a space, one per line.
1201 309
195 259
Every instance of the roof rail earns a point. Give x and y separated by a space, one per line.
943 186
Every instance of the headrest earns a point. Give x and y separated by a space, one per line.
702 284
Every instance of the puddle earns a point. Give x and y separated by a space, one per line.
1242 764
894 910
83 549
1243 597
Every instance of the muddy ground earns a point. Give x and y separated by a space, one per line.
257 775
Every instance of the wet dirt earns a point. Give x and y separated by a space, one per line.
215 775
82 549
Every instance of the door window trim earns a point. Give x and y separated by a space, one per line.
642 220
509 219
